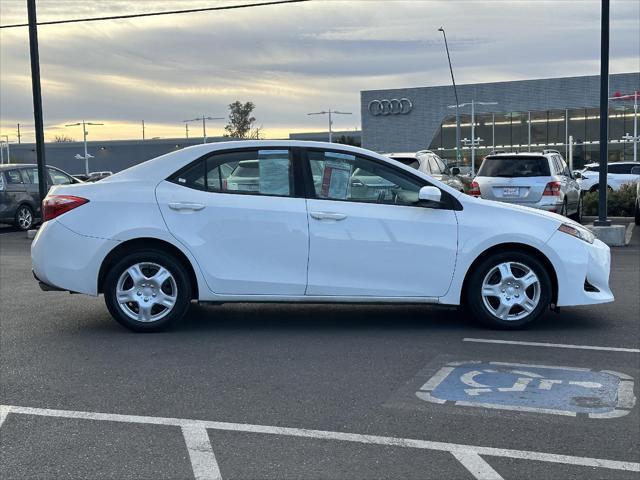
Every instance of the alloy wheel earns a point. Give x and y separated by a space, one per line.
511 291
146 292
24 218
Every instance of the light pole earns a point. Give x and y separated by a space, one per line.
635 136
202 119
455 91
6 137
86 156
474 141
330 112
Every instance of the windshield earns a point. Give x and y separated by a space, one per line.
514 167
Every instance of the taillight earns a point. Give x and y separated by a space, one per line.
55 205
474 189
552 189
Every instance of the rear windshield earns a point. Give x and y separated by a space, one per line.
514 167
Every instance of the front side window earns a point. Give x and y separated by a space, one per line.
340 176
58 178
621 168
259 172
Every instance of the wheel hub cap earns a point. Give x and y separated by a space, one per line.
511 291
146 292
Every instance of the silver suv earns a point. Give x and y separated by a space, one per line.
428 162
537 180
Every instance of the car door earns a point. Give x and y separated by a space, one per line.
249 237
386 247
572 187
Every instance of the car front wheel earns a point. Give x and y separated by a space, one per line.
147 290
509 290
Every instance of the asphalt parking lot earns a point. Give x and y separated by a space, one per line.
315 391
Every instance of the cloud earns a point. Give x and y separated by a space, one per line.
289 59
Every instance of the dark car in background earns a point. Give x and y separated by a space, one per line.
19 196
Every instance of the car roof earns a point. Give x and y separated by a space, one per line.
625 162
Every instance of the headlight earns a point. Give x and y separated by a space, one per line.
578 232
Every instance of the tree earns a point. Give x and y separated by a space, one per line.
348 140
241 122
62 139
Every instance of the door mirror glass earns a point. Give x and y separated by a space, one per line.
577 174
455 171
429 193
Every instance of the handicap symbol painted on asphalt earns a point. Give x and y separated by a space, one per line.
532 388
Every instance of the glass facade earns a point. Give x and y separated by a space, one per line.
538 130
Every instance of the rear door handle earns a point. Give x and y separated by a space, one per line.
327 215
186 206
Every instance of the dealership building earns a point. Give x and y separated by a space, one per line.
527 115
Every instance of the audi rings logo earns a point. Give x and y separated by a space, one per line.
395 106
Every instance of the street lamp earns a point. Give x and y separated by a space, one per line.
6 137
631 138
203 119
474 142
86 156
330 112
455 91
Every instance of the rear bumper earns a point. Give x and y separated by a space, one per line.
65 260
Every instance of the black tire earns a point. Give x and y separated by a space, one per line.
150 258
473 290
578 215
637 212
564 210
24 219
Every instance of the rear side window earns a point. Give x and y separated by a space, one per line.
14 177
31 175
520 166
259 172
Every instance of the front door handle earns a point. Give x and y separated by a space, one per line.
327 215
186 206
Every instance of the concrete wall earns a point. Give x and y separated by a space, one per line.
415 130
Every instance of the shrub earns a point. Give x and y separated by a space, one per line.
620 203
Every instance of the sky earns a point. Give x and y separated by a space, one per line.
288 59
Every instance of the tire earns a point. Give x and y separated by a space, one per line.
158 277
637 212
578 215
24 218
488 274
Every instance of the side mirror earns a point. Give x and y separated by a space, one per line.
455 171
429 194
577 175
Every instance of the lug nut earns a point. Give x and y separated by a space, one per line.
517 295
139 293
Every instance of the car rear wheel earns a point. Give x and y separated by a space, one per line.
578 215
147 290
24 217
509 290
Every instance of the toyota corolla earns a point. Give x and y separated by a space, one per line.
183 227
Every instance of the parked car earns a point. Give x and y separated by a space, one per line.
636 171
95 176
618 174
19 194
538 180
428 162
156 236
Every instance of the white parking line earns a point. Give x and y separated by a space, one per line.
553 345
456 449
477 466
203 461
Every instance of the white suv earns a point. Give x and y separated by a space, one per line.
618 174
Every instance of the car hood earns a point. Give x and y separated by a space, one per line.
551 217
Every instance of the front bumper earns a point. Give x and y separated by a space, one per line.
578 264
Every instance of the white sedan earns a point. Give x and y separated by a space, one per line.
303 228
